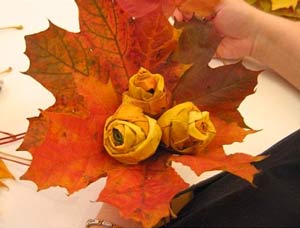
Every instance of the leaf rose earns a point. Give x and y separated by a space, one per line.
186 129
147 90
130 136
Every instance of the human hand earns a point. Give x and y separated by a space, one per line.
235 20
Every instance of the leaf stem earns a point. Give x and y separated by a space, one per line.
9 69
15 159
18 27
10 137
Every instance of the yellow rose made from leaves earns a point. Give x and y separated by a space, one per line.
147 90
186 129
130 136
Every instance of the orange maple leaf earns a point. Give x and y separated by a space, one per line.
143 192
87 73
214 157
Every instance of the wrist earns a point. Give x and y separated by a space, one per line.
258 38
268 28
276 46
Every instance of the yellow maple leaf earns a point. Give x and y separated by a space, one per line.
279 4
4 173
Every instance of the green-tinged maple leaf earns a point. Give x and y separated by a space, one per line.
197 43
87 73
220 90
4 173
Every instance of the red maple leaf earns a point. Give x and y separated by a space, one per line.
143 7
87 73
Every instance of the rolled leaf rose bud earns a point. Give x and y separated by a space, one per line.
186 129
130 136
147 90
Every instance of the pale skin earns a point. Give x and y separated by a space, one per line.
246 31
272 40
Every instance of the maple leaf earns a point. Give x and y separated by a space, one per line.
156 40
289 8
275 4
219 91
279 4
214 157
69 154
4 173
143 192
87 73
201 8
139 8
143 7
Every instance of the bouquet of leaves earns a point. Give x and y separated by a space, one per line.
133 95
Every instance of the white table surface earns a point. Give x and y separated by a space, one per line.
274 108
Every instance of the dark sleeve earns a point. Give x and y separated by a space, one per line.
228 201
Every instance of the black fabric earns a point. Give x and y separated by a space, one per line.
228 201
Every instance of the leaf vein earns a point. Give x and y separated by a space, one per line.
114 35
